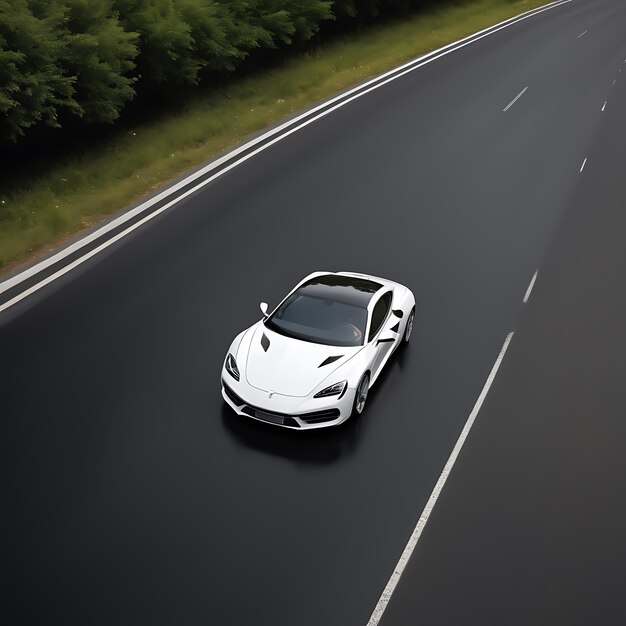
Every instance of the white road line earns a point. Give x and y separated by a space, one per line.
279 133
517 97
430 505
604 105
614 81
581 34
582 167
530 287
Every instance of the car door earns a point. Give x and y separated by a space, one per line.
380 314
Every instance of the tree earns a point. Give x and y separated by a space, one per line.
165 42
244 25
100 55
33 85
306 15
210 30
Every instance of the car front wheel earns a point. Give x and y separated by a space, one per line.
360 396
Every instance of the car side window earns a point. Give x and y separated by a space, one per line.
379 314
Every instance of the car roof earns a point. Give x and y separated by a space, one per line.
341 288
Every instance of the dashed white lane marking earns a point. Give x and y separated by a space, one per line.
582 167
517 97
604 105
614 81
581 34
410 546
530 287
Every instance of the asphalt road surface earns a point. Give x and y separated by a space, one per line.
133 496
530 526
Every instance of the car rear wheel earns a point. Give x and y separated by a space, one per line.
360 396
409 326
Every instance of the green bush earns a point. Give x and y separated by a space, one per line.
33 84
99 55
89 58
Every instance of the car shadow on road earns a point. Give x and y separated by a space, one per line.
312 447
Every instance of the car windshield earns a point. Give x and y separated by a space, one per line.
320 320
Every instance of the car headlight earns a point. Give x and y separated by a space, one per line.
231 366
334 390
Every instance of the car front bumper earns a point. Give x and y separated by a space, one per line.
297 413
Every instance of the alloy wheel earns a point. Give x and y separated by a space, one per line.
361 394
409 327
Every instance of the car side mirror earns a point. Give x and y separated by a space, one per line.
387 336
264 309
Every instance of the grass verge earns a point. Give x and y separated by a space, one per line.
43 210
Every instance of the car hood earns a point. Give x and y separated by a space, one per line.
288 366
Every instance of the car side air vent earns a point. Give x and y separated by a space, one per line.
329 360
396 328
265 342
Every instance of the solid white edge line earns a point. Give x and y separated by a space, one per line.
343 99
582 167
581 34
530 287
430 505
517 97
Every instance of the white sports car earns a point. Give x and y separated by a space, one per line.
311 362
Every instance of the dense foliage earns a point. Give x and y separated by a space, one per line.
89 58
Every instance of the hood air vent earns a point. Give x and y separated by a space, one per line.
265 342
329 360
